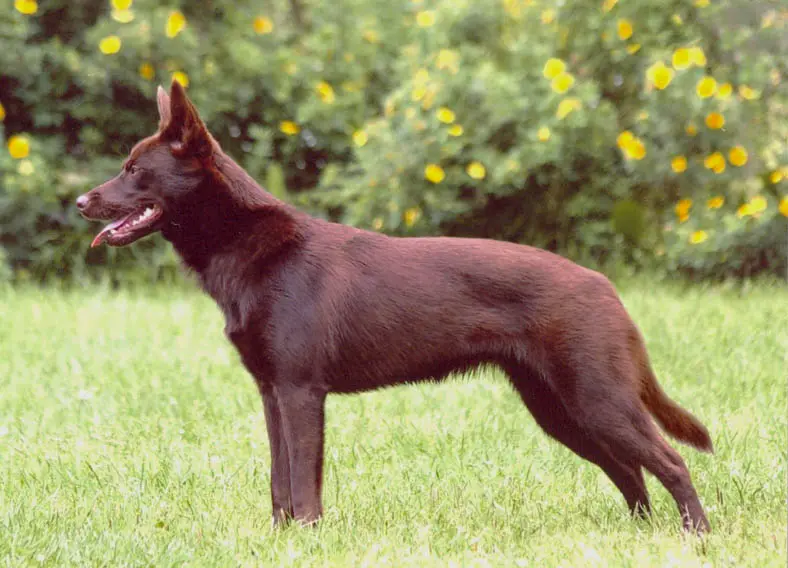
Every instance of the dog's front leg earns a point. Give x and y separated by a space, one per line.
281 500
302 408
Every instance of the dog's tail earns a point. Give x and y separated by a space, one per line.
675 420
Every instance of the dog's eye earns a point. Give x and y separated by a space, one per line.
133 170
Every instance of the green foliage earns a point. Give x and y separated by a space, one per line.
348 108
716 243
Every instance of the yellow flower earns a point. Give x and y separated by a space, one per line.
660 75
325 92
371 36
410 113
636 150
715 162
566 106
360 138
147 71
18 146
562 83
632 146
377 223
679 164
548 16
2 112
691 129
715 120
456 130
513 8
122 16
109 45
758 204
434 173
678 20
624 29
121 4
706 87
776 177
289 127
448 59
697 57
737 156
744 210
608 5
681 58
642 115
26 7
624 139
182 78
429 98
421 76
715 202
543 134
263 25
26 168
290 68
175 23
553 68
702 3
747 92
710 160
476 170
411 215
445 115
724 91
682 209
425 19
418 93
633 48
783 207
698 237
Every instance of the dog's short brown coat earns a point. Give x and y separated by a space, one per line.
315 307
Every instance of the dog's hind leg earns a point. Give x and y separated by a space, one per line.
607 406
552 416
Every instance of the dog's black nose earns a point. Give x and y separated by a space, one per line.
82 201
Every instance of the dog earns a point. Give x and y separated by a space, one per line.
315 307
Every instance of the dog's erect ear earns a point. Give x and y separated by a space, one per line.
184 130
163 101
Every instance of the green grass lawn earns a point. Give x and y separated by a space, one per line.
131 435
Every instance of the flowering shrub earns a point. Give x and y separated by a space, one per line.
600 129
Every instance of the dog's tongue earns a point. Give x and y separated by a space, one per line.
102 236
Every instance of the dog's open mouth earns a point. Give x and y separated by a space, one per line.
128 229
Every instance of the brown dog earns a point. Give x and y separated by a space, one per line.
315 307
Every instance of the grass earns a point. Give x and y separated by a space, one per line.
131 435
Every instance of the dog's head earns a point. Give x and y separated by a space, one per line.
159 172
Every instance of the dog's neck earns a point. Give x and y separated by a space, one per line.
229 213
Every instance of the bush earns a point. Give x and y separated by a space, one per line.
573 126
